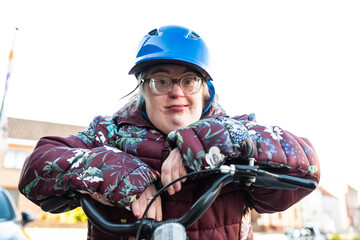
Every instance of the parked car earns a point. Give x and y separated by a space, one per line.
11 227
306 233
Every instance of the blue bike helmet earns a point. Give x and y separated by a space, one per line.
172 44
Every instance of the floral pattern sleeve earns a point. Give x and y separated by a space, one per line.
208 142
87 162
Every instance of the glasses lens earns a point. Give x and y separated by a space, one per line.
161 85
190 84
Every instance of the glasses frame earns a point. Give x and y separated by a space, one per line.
173 81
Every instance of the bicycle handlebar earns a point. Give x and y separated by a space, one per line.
245 174
149 225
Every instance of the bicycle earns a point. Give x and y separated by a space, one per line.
174 229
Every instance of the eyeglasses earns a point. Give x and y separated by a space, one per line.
163 85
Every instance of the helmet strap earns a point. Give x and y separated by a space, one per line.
212 96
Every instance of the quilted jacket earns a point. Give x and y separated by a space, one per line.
116 158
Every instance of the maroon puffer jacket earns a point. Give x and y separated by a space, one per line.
119 157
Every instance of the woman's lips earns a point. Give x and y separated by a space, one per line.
177 107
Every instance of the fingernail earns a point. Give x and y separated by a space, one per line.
137 214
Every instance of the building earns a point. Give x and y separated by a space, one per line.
330 213
353 209
22 137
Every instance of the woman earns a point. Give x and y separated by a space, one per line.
174 125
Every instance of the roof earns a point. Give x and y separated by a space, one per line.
325 192
34 130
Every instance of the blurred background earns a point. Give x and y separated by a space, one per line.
295 64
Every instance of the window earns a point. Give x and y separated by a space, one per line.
14 159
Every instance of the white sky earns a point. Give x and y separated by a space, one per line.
293 63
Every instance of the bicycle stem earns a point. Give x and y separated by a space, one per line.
205 201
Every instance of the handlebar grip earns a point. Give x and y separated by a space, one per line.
52 204
281 181
303 183
116 229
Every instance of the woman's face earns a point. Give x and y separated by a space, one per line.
174 110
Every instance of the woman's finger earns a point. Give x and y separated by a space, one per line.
182 170
172 169
166 174
158 216
176 172
151 213
135 208
138 207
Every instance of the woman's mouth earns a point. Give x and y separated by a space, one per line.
177 107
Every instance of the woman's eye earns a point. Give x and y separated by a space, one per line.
188 82
162 81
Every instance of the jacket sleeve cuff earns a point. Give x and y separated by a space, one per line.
192 152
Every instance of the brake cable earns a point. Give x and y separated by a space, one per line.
164 188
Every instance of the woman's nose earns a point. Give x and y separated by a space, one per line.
176 91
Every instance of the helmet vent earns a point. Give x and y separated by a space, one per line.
193 35
154 32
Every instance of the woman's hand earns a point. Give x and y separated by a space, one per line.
172 169
138 207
